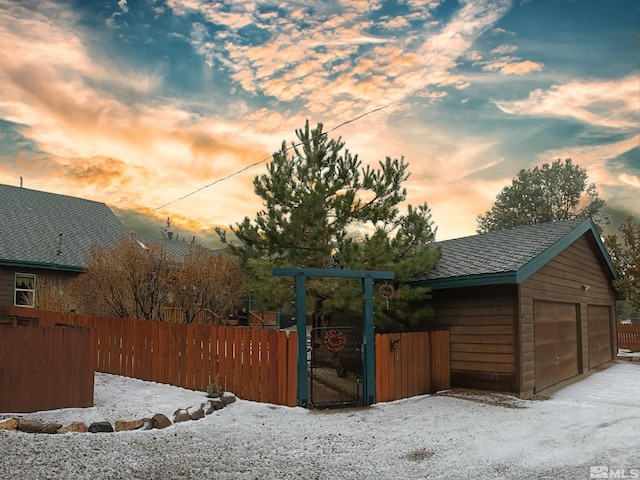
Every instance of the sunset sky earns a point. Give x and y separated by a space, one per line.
139 103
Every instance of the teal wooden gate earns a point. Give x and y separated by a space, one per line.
368 348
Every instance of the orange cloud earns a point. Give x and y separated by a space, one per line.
515 68
101 172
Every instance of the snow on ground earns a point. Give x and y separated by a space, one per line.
593 422
625 352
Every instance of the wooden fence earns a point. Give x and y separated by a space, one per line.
263 319
204 317
409 364
629 336
46 368
256 364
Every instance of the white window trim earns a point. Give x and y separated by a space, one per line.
32 290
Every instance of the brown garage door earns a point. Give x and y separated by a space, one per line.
599 335
556 344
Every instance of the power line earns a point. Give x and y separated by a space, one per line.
267 158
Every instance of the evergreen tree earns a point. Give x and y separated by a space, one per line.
322 208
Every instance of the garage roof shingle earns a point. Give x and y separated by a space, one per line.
505 256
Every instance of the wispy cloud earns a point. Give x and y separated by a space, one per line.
504 49
514 67
123 6
330 60
606 103
631 180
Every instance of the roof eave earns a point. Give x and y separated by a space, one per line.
43 265
546 256
468 281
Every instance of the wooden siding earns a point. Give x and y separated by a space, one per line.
7 279
481 322
561 280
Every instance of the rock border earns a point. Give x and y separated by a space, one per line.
158 421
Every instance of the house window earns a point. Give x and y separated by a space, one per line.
25 291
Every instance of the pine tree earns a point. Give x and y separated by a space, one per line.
322 208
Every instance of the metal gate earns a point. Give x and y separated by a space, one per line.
335 366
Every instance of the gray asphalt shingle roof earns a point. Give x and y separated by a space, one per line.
175 248
51 230
504 256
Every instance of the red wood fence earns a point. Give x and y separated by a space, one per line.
255 364
46 368
204 317
409 364
629 336
263 319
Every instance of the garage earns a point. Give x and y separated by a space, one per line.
599 335
527 307
556 342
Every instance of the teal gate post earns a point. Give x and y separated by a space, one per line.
367 276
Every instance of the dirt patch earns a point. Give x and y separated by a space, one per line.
419 455
489 398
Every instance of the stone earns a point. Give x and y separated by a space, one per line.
216 404
126 425
207 408
228 398
30 426
75 427
147 424
100 427
51 428
8 424
160 421
196 414
181 415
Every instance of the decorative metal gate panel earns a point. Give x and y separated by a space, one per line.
335 366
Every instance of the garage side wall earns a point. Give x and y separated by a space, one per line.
481 322
577 276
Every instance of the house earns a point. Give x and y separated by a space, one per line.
46 235
527 308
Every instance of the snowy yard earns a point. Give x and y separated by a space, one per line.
594 422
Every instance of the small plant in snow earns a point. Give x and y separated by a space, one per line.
214 389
